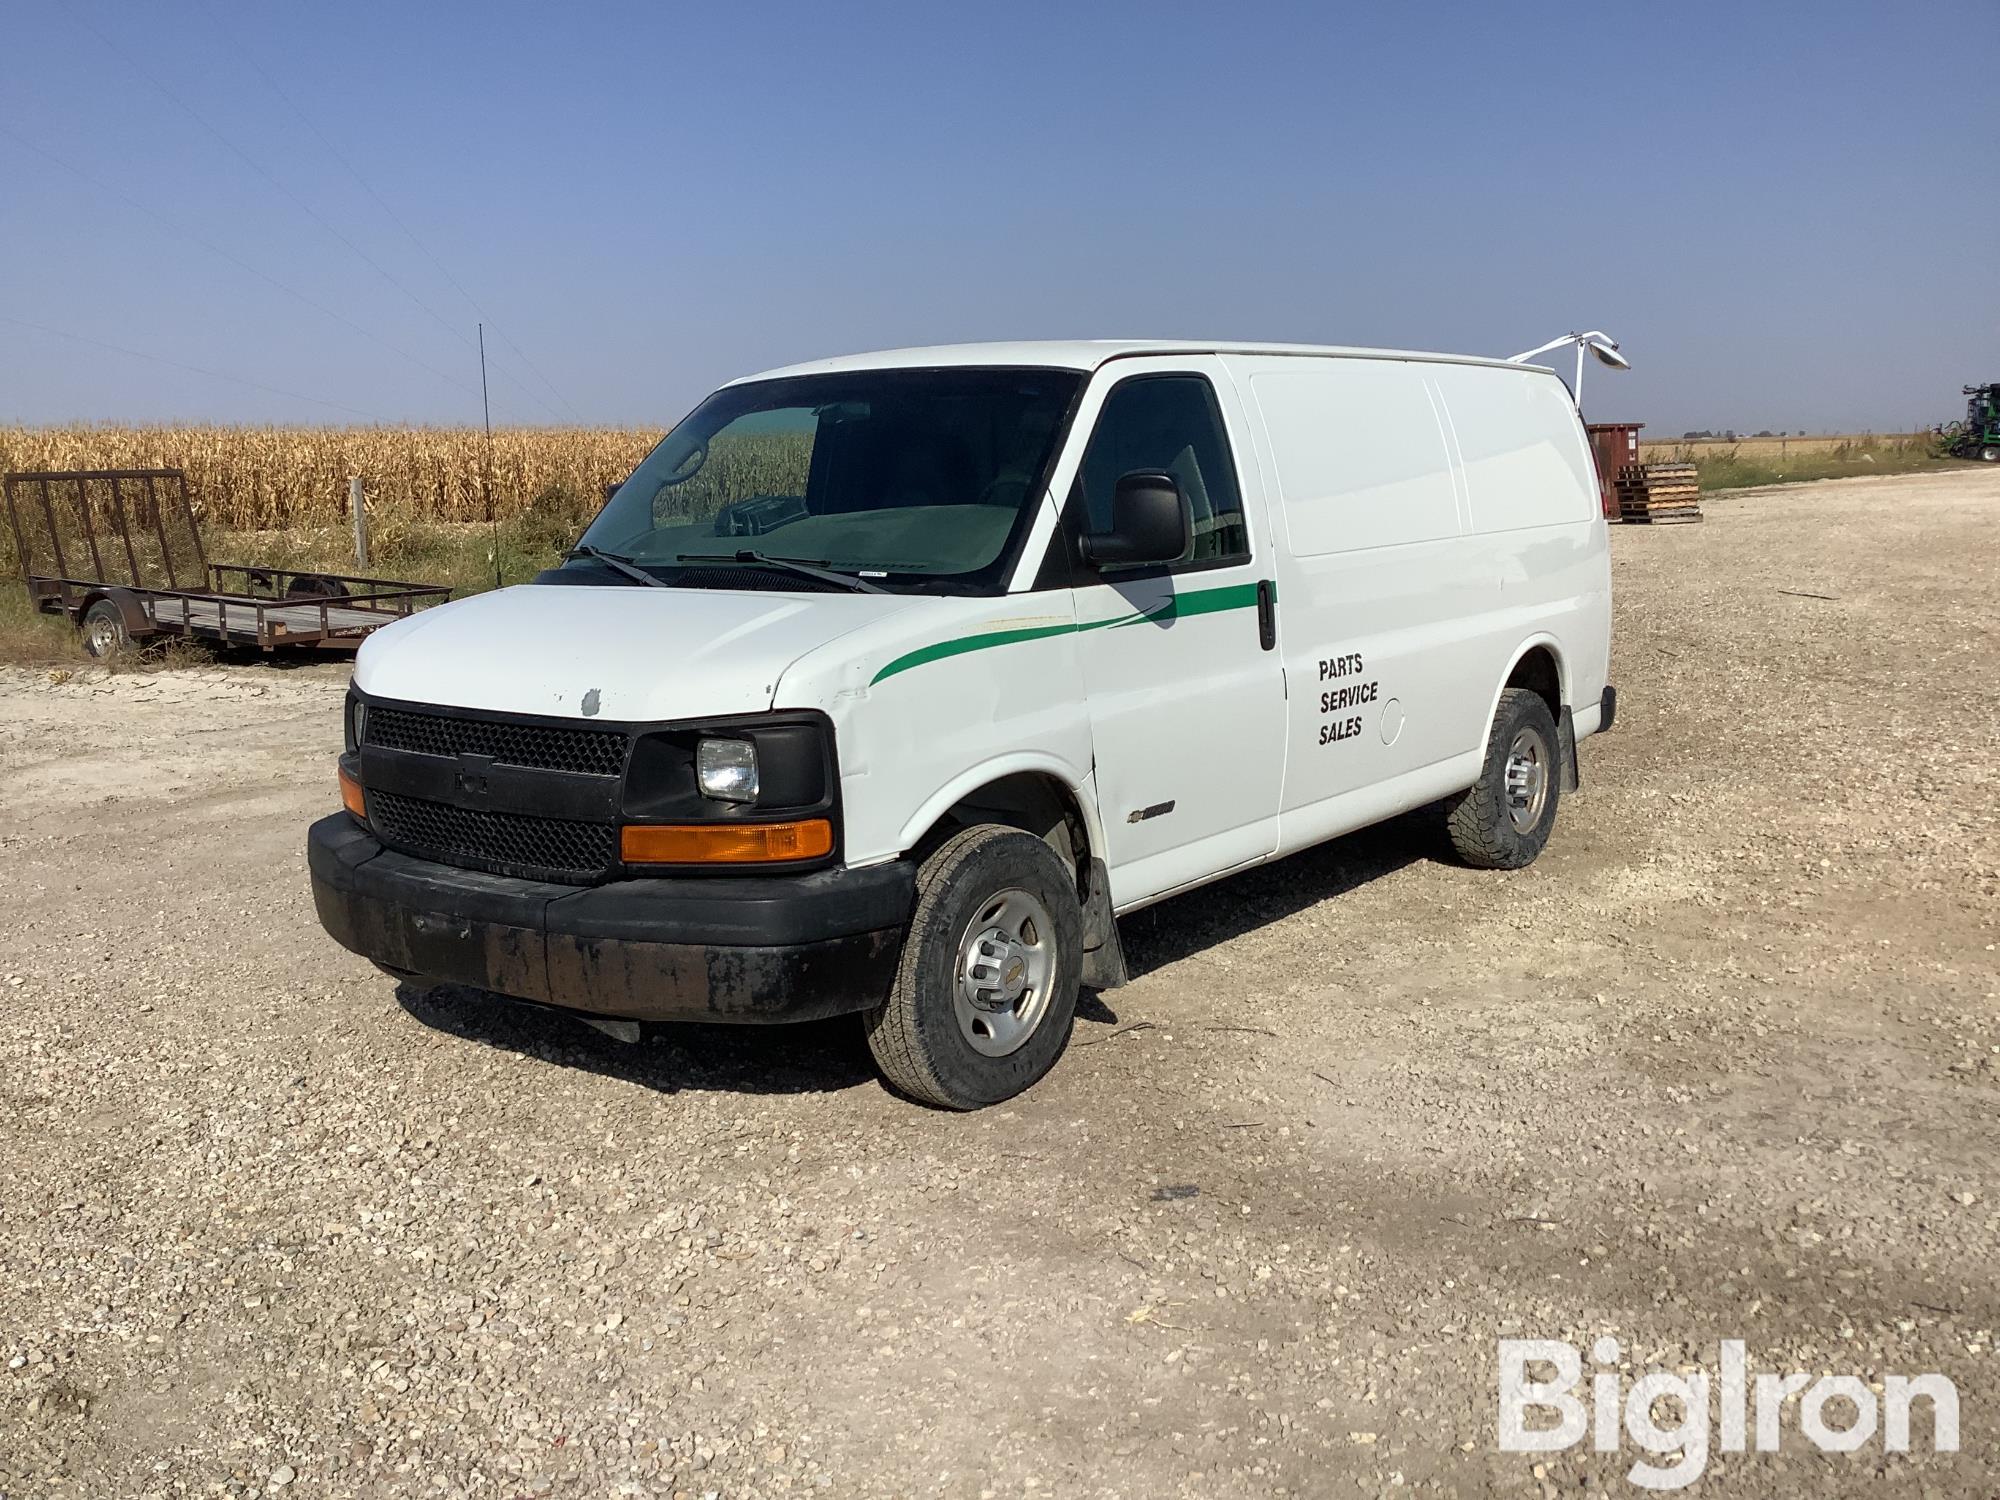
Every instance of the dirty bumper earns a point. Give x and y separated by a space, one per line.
722 948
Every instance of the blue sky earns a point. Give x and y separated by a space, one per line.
1784 211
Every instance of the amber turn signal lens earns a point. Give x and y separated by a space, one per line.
351 796
725 843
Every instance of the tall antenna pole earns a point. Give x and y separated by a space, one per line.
486 414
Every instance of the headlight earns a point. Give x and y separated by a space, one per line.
727 769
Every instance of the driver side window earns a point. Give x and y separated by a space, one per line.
1169 423
760 460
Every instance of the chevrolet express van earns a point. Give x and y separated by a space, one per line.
886 684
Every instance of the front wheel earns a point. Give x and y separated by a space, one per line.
1502 821
985 992
1990 453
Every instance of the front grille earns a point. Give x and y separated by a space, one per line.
547 747
514 843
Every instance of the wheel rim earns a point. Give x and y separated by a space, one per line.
1527 779
102 638
1006 972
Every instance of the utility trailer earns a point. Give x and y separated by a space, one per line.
118 551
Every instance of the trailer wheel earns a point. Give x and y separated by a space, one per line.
103 630
985 993
1502 821
1990 453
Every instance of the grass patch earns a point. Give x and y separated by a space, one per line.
1746 466
460 556
28 639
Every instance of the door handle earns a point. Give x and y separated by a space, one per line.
1267 614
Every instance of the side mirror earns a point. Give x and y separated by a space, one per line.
1150 523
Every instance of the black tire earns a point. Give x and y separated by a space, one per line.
313 586
917 1036
103 630
1482 820
1990 453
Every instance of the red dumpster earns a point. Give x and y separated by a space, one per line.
1616 446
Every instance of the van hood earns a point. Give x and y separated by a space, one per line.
613 652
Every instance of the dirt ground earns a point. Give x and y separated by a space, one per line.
1721 1065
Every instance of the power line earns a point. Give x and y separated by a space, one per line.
230 256
255 385
408 233
306 208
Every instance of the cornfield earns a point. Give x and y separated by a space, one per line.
277 478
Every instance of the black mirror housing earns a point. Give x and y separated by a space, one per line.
1150 523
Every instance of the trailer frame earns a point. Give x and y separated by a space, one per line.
238 604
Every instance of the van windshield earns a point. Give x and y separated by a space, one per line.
914 478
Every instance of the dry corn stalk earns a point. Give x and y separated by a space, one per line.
264 478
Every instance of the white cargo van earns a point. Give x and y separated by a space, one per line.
886 683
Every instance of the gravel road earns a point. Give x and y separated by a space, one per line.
1721 1065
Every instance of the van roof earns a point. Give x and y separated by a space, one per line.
1088 354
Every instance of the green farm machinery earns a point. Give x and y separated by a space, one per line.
1978 436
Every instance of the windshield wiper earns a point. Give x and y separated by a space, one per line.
612 560
805 567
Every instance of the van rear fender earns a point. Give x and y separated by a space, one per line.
1538 666
1530 666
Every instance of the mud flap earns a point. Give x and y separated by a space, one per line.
1103 955
1572 770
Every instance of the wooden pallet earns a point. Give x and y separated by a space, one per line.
1658 494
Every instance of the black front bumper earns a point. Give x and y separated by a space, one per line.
706 948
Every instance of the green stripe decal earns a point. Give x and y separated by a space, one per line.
1179 607
967 643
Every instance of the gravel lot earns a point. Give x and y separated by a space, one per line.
1722 1064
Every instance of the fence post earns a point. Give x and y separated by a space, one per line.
354 504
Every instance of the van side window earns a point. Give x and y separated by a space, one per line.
1170 423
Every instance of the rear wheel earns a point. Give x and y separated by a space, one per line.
103 629
985 993
1503 820
1990 453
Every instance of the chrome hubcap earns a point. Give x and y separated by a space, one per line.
1006 972
103 638
1527 779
